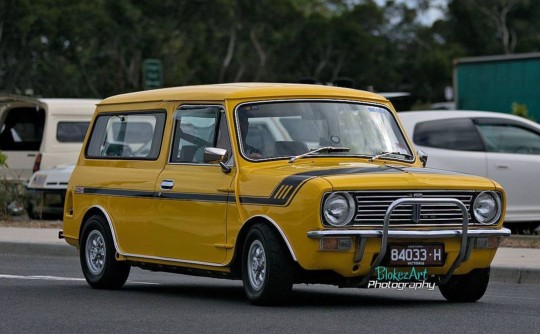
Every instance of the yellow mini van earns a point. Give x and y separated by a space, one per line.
275 184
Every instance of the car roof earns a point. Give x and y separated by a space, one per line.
219 92
426 115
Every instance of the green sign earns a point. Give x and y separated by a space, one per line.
152 74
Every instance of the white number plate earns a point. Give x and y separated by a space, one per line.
415 255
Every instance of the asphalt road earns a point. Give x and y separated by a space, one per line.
40 294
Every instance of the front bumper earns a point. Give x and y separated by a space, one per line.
467 237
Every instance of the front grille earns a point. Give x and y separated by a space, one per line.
372 207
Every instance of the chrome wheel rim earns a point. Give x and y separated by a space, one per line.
256 265
95 252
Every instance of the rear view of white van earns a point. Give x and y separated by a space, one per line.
37 133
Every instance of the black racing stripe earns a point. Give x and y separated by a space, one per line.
119 192
161 195
296 181
195 197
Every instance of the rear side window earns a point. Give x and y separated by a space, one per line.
71 132
22 129
452 134
127 136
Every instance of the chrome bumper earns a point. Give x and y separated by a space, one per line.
467 236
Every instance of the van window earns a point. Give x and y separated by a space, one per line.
127 136
71 132
195 129
22 130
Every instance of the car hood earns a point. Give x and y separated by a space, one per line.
374 176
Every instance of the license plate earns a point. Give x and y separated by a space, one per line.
426 255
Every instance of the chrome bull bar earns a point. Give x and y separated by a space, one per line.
386 233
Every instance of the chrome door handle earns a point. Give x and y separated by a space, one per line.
167 184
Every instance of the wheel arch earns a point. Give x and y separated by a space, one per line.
241 238
99 210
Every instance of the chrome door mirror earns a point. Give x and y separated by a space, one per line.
423 157
214 155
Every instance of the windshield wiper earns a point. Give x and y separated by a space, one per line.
324 148
385 154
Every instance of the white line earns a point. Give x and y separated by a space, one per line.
57 278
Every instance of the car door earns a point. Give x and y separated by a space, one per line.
513 160
452 144
193 195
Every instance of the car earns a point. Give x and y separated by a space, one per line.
172 180
46 190
500 146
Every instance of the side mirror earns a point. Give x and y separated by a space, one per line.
214 155
423 157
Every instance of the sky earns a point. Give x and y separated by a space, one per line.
435 12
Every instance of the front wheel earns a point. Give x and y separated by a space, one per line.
267 267
466 288
97 254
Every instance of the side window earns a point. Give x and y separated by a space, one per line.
452 134
195 128
22 130
127 136
508 138
71 132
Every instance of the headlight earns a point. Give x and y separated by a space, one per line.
487 207
338 209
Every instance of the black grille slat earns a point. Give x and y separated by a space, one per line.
372 206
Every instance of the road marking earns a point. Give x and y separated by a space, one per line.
58 278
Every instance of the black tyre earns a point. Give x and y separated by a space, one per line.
97 254
466 288
267 267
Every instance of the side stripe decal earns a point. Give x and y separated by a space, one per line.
282 194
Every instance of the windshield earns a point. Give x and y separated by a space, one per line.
286 129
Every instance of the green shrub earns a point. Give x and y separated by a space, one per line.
3 159
520 109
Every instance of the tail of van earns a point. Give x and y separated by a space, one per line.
38 133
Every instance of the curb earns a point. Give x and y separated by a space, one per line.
21 248
498 274
515 275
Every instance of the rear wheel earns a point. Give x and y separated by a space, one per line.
97 253
466 288
267 267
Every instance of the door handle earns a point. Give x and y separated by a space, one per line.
502 166
167 184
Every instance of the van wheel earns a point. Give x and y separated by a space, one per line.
267 267
97 254
466 288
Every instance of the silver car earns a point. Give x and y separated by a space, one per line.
500 146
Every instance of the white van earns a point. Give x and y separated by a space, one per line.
37 133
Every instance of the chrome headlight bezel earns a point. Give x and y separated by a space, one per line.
338 209
480 202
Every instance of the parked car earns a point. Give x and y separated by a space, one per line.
500 146
38 133
167 180
46 191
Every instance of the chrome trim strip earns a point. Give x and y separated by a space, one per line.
406 234
209 264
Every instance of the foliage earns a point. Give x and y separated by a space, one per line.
3 160
11 198
520 109
79 48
